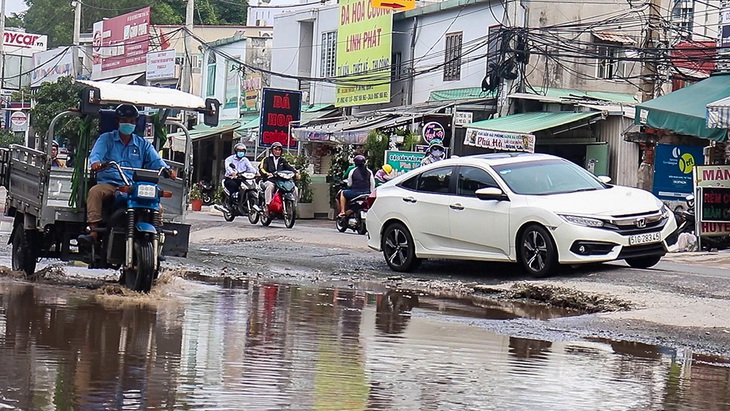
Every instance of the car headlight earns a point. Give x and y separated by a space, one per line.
665 211
146 191
584 221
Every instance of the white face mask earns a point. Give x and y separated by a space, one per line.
438 153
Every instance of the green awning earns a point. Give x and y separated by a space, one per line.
684 111
528 123
201 131
467 93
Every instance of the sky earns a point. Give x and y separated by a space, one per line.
14 6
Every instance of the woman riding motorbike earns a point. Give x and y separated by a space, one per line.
360 180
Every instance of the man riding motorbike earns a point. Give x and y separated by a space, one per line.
271 164
360 180
126 148
235 165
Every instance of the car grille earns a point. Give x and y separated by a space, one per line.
636 224
643 250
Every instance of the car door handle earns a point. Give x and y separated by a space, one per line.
409 199
456 206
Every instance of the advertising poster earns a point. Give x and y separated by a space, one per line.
160 65
403 161
278 109
497 140
363 54
673 167
714 199
120 44
51 65
250 92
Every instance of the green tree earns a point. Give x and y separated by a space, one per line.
7 138
52 99
55 18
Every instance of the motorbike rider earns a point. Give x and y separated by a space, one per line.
271 164
241 165
384 174
360 181
434 153
127 149
55 161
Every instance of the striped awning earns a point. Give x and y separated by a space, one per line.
718 113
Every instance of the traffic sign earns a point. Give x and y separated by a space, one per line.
399 5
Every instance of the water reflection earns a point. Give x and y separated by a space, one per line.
275 346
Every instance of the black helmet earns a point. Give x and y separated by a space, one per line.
277 144
126 111
239 147
359 160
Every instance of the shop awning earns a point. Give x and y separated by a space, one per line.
516 132
201 131
718 114
685 111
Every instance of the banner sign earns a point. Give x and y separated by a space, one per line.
121 42
363 54
250 92
713 199
160 65
673 166
497 140
278 109
23 44
403 161
51 65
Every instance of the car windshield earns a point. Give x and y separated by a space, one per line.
547 177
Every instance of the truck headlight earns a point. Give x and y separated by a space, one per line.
146 191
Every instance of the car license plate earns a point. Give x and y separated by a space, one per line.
645 238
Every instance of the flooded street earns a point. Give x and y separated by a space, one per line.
267 345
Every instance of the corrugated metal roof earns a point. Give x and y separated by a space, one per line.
467 93
528 123
562 94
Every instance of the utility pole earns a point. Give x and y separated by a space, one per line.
77 38
2 40
651 41
187 74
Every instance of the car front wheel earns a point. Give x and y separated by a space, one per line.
398 248
538 254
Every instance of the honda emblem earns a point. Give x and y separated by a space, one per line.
640 222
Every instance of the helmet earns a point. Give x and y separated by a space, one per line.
387 168
239 147
126 111
436 142
359 160
55 144
277 144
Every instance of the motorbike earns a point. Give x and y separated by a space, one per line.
207 192
283 204
245 202
133 236
356 214
686 224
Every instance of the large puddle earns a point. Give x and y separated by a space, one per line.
271 346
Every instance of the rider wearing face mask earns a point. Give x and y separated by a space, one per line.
235 165
434 153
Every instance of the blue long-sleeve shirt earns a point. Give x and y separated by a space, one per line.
139 153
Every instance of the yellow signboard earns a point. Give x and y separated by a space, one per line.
397 5
363 54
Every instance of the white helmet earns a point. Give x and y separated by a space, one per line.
239 147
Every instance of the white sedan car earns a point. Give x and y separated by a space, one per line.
536 209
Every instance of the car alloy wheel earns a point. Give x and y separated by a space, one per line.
398 248
538 254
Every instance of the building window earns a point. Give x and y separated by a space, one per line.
396 59
452 59
610 65
683 16
211 75
329 53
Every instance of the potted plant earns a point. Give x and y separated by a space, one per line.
305 208
196 198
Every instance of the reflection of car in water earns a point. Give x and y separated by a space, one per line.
393 310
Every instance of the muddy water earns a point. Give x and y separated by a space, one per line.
270 346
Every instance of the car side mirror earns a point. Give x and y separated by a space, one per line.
604 179
90 100
491 193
